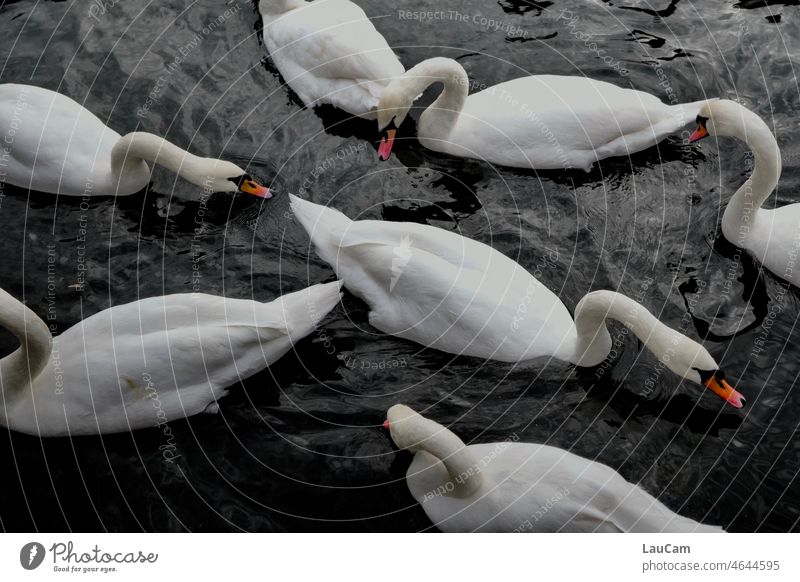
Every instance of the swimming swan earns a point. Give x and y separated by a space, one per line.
328 51
53 144
457 295
144 363
541 121
772 236
521 487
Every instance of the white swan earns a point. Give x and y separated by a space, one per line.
328 51
53 144
457 295
521 487
541 121
771 236
144 363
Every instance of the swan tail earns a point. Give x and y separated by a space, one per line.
324 225
303 310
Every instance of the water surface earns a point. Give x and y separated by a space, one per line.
299 447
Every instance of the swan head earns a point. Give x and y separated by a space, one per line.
407 427
224 176
689 359
723 117
393 108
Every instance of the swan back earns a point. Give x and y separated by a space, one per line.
441 289
58 145
277 7
328 51
155 360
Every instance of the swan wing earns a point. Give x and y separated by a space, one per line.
572 493
147 362
168 357
404 236
450 293
550 121
601 110
539 488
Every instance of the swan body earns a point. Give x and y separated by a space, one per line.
542 122
144 363
458 295
521 487
772 236
328 51
55 145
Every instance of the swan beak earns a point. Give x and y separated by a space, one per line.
386 424
254 188
698 134
725 391
385 149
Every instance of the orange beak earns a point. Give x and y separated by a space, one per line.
385 149
386 425
725 391
698 134
254 188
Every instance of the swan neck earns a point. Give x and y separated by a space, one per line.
594 342
21 367
441 116
741 210
465 476
133 148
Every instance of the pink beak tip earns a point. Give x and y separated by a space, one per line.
736 400
385 148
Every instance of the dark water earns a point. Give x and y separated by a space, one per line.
299 447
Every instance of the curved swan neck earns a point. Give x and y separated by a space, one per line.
594 342
442 114
131 149
740 212
465 474
22 366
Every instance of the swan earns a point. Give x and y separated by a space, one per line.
541 122
521 487
772 236
328 51
53 144
144 363
458 295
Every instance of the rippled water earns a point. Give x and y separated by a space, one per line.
300 447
